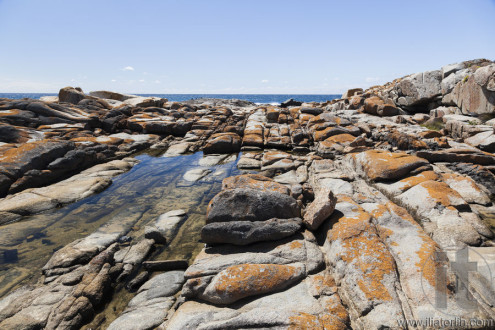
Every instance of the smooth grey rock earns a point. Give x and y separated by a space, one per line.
419 88
247 232
166 226
244 204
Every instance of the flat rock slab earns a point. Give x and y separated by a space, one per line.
379 165
247 232
244 204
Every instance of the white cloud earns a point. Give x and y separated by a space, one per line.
128 68
114 80
372 79
157 81
141 80
264 81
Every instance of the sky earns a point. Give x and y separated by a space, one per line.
234 46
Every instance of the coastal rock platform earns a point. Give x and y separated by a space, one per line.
360 212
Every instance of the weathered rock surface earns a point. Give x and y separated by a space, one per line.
320 209
344 166
247 232
246 204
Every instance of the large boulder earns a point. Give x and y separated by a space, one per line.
245 204
71 95
475 94
419 88
352 92
376 106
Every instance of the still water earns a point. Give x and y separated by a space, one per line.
152 187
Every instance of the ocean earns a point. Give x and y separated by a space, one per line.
255 98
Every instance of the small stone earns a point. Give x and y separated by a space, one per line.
320 209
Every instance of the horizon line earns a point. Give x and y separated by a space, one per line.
186 93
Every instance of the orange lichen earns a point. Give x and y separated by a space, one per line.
426 264
456 177
363 248
321 282
247 279
254 181
341 138
348 226
441 192
295 245
380 164
309 322
14 155
417 179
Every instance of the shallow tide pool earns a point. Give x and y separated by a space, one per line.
152 187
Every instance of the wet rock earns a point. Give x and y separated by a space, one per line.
244 204
247 232
166 226
138 252
177 149
196 174
320 209
165 265
137 281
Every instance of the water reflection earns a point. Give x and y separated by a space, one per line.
152 187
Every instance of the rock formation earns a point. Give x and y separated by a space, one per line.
345 214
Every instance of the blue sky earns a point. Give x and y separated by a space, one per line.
233 46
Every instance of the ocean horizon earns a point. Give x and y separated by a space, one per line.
255 98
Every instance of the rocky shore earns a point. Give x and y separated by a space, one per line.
335 217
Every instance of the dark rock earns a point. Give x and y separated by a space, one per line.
10 256
165 265
137 281
33 155
311 111
71 95
247 232
251 205
223 143
290 103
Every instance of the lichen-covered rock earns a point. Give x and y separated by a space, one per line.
383 165
254 181
363 267
241 281
223 143
376 106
